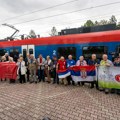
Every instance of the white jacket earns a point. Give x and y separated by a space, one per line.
23 68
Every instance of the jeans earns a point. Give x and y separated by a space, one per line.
41 75
22 78
55 76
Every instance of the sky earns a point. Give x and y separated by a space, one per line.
13 12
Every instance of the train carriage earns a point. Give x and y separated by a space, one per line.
107 42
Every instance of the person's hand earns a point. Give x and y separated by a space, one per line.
96 65
107 64
18 60
46 65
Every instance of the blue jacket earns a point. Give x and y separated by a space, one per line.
70 63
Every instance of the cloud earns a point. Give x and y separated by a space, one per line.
11 8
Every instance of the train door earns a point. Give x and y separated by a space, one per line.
28 49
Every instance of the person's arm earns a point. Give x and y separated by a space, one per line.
22 63
35 61
101 63
43 62
89 62
85 63
57 66
109 63
51 65
18 63
74 63
77 63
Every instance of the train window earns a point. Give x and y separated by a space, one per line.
2 52
31 51
24 53
65 51
98 50
15 54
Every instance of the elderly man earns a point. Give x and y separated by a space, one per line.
41 67
32 68
94 61
48 68
55 76
107 63
7 56
70 63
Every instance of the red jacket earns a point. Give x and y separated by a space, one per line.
62 65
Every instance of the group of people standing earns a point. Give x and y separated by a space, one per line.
35 70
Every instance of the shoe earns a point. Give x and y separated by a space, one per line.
92 87
31 82
106 91
112 91
36 82
48 82
118 93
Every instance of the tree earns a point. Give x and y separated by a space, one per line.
54 31
32 34
89 23
113 19
118 25
96 23
103 22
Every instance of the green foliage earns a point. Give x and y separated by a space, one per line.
89 23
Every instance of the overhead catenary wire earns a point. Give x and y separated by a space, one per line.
80 20
83 19
51 16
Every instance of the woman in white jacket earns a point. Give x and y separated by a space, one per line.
21 70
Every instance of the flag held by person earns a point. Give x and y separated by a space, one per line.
63 73
83 73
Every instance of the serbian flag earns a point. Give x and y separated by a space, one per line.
83 73
63 73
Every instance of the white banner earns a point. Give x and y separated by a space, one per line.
109 77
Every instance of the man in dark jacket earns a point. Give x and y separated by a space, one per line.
70 63
26 64
55 76
96 62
